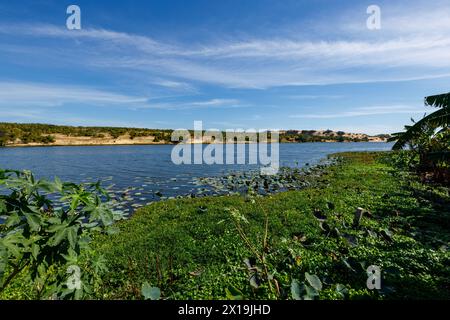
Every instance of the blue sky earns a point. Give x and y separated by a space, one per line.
232 64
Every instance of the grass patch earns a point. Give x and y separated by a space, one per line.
190 248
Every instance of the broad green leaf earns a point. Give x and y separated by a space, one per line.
149 292
233 293
12 220
71 257
42 269
314 281
66 293
2 206
59 236
72 236
14 243
112 230
57 227
3 262
87 289
78 294
341 289
34 221
46 185
58 184
54 220
35 250
311 293
75 201
296 290
99 264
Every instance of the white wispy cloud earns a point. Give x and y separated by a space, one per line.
215 102
22 114
227 124
313 97
400 18
207 104
365 111
38 94
20 94
411 45
176 85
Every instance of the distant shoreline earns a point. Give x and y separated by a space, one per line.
44 135
34 145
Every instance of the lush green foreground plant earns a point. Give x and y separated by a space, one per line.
44 246
306 244
429 140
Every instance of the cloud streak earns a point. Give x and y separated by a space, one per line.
50 95
394 55
364 112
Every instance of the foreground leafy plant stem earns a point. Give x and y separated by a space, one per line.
49 239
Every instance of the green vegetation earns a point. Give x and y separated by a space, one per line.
391 210
42 240
429 141
13 133
313 136
44 133
315 243
296 244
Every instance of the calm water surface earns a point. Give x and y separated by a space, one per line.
143 173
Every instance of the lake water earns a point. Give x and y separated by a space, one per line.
146 173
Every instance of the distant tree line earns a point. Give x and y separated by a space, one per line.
11 133
44 133
313 136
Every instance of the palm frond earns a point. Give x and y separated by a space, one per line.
438 101
437 119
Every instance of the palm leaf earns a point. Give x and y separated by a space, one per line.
437 119
438 101
440 118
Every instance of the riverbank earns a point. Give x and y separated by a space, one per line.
313 243
23 135
141 142
211 248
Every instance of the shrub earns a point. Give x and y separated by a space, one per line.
46 239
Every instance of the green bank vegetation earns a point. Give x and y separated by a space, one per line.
269 247
306 244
